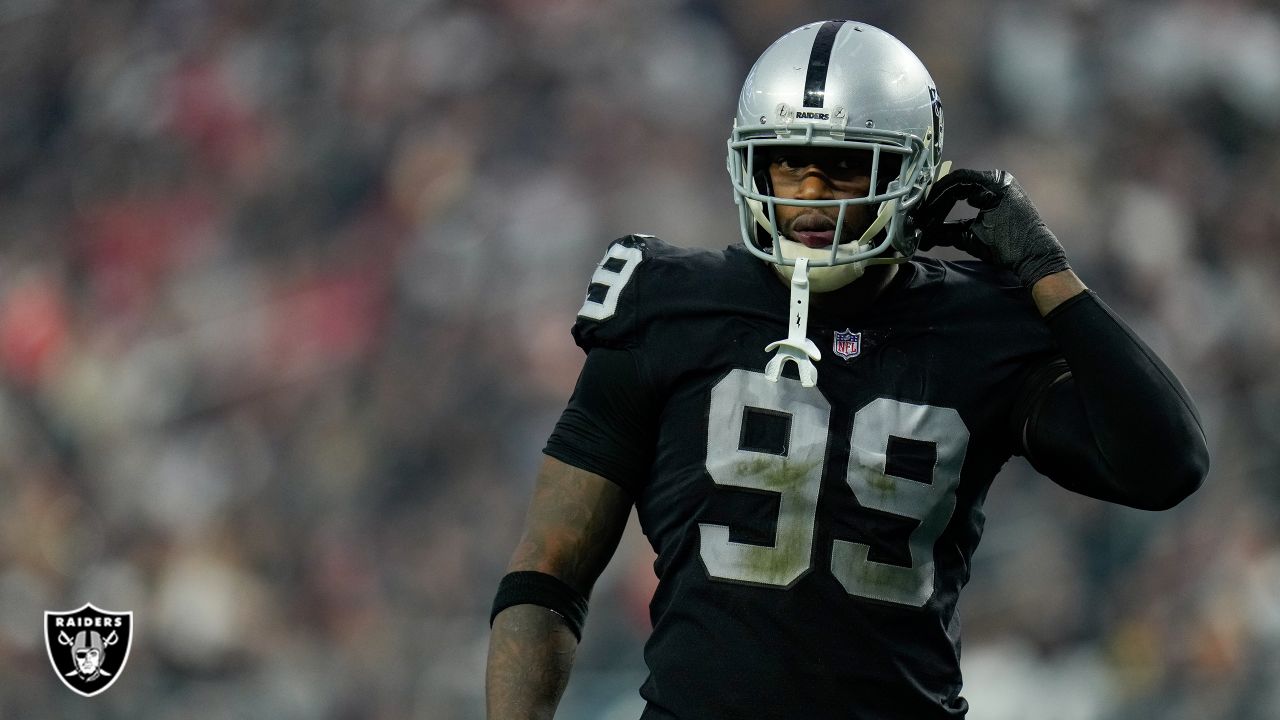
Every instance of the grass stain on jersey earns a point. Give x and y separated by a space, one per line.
785 561
774 473
882 484
756 467
797 483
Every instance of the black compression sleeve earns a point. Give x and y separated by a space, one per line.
610 423
1119 427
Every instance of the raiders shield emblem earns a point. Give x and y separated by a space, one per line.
88 647
847 344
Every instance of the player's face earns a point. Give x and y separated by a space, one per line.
824 174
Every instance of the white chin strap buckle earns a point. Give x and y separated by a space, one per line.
797 348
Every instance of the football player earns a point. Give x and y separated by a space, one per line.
808 423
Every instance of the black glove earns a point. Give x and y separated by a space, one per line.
1007 231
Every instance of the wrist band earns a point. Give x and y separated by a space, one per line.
530 587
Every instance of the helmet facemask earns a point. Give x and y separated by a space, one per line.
901 170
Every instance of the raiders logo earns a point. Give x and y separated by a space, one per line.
88 647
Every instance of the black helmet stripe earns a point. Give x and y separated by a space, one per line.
815 82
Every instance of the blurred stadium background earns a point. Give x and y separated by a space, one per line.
285 290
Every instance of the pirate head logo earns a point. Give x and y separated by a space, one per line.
88 647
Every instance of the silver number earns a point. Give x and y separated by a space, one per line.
796 476
614 280
930 503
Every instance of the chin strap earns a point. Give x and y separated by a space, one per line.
797 348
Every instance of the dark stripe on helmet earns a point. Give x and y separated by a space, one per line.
815 83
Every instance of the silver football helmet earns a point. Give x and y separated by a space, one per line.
847 85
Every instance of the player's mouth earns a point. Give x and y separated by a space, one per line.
814 230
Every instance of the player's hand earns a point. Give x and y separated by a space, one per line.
1007 231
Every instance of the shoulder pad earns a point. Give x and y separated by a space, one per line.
976 294
608 316
640 278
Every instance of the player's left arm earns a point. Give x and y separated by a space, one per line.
1110 419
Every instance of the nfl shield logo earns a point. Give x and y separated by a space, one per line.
88 647
847 344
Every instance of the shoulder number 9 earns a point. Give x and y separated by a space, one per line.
611 275
795 474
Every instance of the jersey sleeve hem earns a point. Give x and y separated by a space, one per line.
609 425
569 456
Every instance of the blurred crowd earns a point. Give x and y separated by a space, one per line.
285 291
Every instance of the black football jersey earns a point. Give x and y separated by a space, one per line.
812 542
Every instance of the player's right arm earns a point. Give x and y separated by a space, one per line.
572 528
598 458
